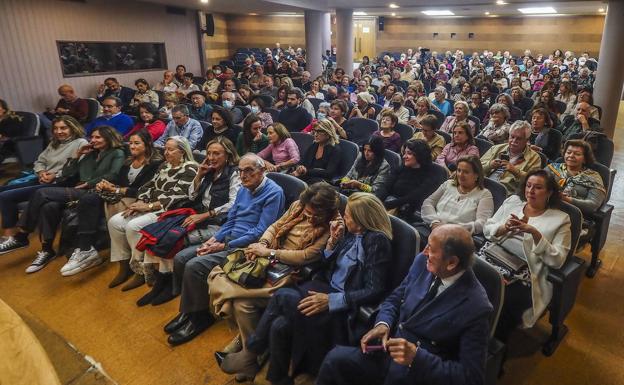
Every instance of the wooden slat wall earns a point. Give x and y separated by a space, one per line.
217 46
265 31
540 34
30 70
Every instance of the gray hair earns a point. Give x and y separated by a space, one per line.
498 107
257 161
507 97
462 103
181 108
519 89
184 146
521 125
440 89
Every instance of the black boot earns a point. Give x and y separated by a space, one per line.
166 294
159 285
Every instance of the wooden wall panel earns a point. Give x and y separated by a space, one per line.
540 34
217 46
264 31
30 70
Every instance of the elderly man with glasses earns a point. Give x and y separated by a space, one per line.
111 116
183 125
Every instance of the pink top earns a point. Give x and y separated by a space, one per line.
450 153
282 152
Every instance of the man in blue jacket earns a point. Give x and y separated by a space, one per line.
111 87
258 204
432 329
111 116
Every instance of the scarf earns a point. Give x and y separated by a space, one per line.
295 217
587 178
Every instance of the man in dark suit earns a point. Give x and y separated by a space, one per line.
432 329
111 87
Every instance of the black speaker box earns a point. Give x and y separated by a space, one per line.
210 27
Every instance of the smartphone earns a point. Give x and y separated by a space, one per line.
373 348
504 156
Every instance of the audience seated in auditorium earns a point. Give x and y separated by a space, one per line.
10 127
428 133
465 93
167 85
544 137
529 226
67 138
171 100
364 106
111 87
370 172
412 183
296 239
199 109
101 159
251 138
440 101
477 107
167 190
302 323
391 139
315 91
448 346
259 203
585 95
267 87
222 125
497 128
509 162
321 160
580 122
294 116
228 101
148 121
460 114
397 108
462 144
282 150
110 198
580 185
187 85
461 200
111 116
181 125
179 74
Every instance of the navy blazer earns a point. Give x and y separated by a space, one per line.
451 330
126 95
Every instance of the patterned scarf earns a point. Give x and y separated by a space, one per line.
295 217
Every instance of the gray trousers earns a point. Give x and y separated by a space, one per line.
190 277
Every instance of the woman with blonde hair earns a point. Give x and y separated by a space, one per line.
321 160
301 324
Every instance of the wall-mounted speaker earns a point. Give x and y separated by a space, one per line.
381 20
435 34
175 10
210 26
470 35
453 34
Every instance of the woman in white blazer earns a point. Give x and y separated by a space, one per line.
530 226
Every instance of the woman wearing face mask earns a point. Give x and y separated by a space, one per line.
222 125
67 138
101 159
257 107
397 108
251 139
149 121
282 149
370 172
138 169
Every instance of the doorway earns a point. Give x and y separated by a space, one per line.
364 32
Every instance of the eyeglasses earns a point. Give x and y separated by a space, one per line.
109 105
178 117
246 170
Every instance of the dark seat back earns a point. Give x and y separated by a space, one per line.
292 186
406 132
94 108
316 102
30 123
440 117
348 153
576 221
477 123
483 145
303 140
161 98
499 192
492 282
445 135
393 159
274 113
605 174
359 130
405 246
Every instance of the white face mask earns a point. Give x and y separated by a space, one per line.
320 116
228 104
255 109
217 72
523 78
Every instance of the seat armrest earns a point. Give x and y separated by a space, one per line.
309 271
367 313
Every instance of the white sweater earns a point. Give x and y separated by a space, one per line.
550 252
53 159
448 205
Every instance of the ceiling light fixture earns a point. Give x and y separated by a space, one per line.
393 14
501 2
444 12
537 10
601 10
392 5
360 13
203 1
487 13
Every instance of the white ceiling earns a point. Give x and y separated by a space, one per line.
408 8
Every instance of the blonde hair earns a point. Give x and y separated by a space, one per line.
76 129
326 127
368 211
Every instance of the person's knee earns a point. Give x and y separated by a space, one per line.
196 269
280 327
89 200
117 222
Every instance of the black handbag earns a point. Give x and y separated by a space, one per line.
498 255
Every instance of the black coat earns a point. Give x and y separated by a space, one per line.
144 176
325 168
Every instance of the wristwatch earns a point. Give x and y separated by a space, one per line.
150 206
272 255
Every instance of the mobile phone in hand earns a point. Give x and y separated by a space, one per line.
373 348
504 156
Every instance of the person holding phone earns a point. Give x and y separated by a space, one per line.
509 162
432 329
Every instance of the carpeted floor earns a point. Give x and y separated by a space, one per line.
79 316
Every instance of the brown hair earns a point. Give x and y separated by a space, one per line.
588 153
477 168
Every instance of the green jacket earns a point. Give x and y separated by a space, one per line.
92 168
256 146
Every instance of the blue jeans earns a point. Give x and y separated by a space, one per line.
11 196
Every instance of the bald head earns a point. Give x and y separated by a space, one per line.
455 242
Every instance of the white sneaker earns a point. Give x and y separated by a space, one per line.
42 259
81 261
